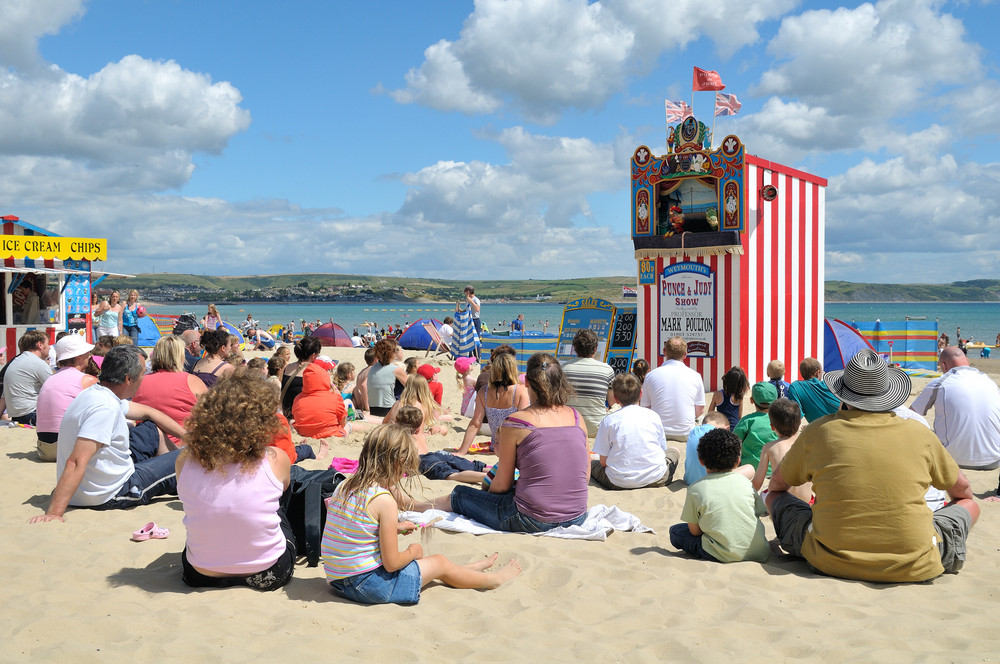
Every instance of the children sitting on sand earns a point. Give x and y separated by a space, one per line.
631 444
729 400
693 470
722 512
754 430
785 418
776 377
361 553
438 465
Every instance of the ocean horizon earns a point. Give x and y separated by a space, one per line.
979 321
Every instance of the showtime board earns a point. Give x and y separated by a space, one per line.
622 340
586 313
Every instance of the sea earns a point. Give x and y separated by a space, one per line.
979 321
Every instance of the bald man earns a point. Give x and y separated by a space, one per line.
192 348
966 406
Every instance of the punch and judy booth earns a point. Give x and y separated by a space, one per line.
730 255
46 280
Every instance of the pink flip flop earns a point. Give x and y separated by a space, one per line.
150 531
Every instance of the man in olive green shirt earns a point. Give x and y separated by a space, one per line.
858 531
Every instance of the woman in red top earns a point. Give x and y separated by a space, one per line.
169 389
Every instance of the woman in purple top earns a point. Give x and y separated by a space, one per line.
547 443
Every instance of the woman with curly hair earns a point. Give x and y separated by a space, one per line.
230 480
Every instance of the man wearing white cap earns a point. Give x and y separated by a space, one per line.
870 470
72 357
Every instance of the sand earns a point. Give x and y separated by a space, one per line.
81 591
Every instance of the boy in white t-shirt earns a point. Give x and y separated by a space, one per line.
630 442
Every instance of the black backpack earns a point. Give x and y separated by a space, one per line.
304 504
185 322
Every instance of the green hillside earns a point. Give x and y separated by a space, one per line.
348 287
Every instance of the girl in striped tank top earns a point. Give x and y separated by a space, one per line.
361 553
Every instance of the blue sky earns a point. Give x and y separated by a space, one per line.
485 139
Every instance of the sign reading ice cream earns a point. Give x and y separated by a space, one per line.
687 307
53 247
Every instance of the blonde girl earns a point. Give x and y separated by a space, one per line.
418 394
343 378
108 313
360 550
130 316
211 319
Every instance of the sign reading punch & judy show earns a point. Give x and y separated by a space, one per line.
687 307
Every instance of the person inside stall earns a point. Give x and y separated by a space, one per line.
29 302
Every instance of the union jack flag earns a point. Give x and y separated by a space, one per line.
726 104
676 110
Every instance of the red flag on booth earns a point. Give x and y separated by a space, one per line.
707 80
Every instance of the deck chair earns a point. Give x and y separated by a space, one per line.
436 343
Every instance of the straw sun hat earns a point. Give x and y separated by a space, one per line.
868 383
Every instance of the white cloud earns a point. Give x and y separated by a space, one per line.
912 219
134 110
546 57
527 217
870 60
22 22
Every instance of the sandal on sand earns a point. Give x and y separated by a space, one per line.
150 531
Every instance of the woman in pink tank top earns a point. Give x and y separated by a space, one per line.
169 389
230 480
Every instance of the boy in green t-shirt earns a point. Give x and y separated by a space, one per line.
754 430
721 512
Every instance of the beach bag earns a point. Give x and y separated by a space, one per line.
304 504
184 323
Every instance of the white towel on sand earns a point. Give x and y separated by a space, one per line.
601 521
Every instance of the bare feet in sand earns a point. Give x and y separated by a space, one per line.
506 573
485 563
324 449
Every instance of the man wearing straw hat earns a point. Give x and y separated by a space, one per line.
870 470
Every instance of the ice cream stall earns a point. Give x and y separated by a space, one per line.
729 250
46 280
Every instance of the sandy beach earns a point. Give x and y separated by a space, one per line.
81 591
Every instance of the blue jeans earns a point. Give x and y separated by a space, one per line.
681 538
152 478
499 511
380 586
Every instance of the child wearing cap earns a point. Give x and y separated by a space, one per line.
428 371
465 381
754 430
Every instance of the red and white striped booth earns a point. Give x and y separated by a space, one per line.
58 271
730 256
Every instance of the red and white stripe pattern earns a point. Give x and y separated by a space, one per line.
769 304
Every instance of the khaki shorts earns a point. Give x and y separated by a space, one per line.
46 451
792 519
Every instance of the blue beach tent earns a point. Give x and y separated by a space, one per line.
841 342
415 337
149 334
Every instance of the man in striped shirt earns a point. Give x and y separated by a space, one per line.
591 380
